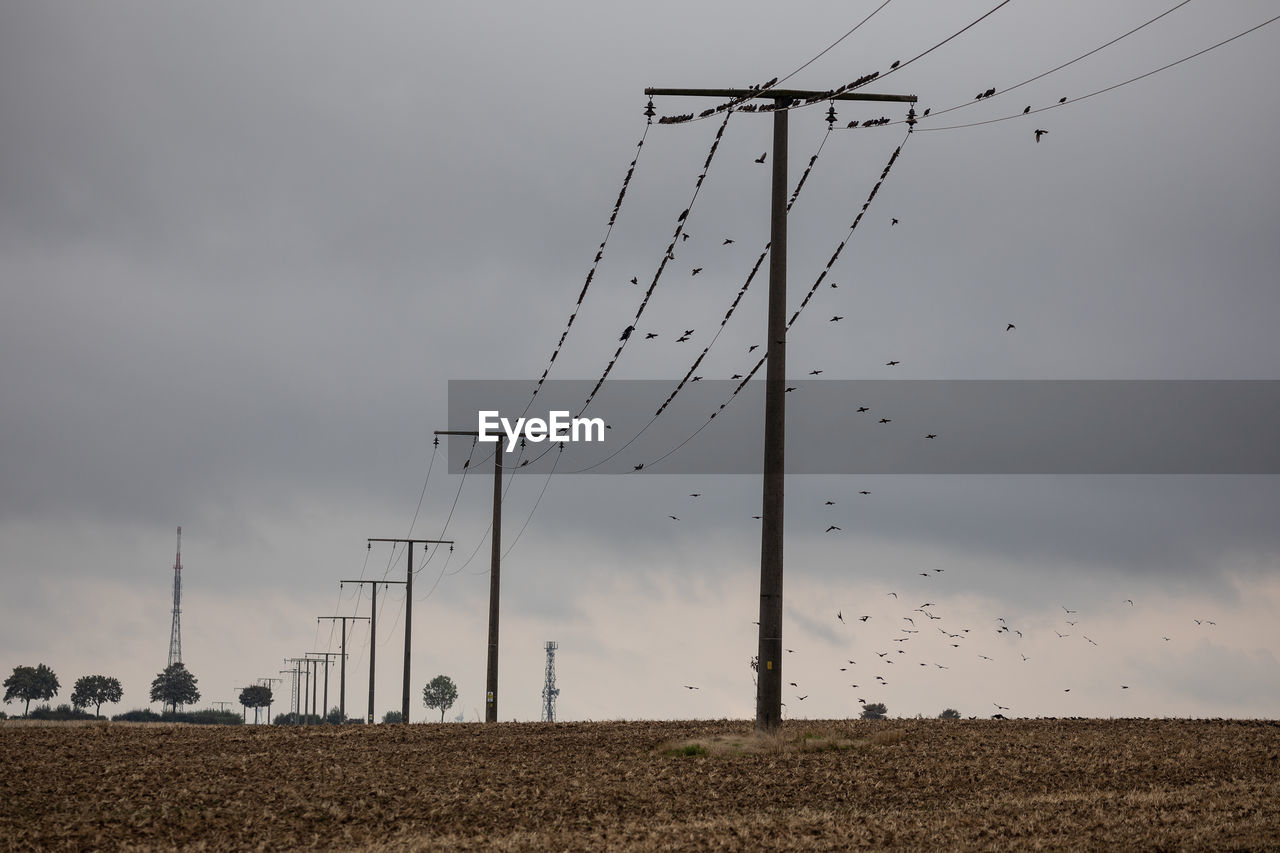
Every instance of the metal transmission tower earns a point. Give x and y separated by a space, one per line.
549 689
175 633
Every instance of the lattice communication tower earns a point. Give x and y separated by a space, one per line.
549 689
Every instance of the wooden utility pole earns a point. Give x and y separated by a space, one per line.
324 708
769 660
342 667
373 632
408 611
495 575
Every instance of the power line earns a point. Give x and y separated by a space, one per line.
935 113
1109 88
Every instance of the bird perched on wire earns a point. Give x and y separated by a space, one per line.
1040 133
626 333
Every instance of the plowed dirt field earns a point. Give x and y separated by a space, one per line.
914 784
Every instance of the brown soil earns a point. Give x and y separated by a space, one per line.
916 784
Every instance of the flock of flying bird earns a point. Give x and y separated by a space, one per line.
915 628
914 624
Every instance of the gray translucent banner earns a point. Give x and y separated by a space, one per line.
882 426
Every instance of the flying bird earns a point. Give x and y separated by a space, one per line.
1040 133
696 270
673 518
863 409
752 348
814 372
804 697
789 389
1064 607
695 494
886 420
932 435
727 241
760 159
840 616
688 331
691 687
836 319
626 333
682 339
891 363
635 279
650 336
830 503
864 619
864 492
893 221
1010 327
829 529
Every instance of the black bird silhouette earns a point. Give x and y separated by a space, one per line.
691 687
696 379
793 684
626 333
688 331
685 236
895 64
1010 327
989 93
802 698
886 420
637 467
863 409
1062 100
926 112
682 215
736 376
760 159
696 270
650 336
840 616
867 493
830 503
682 339
789 389
890 363
752 348
635 279
673 518
695 494
834 285
836 319
727 241
1027 110
932 435
1040 133
814 372
893 221
1064 607
864 619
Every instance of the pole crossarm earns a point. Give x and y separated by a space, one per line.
781 94
418 541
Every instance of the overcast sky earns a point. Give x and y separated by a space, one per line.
245 247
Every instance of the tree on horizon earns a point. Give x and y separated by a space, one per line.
95 690
30 682
175 686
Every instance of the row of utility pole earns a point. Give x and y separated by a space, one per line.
769 646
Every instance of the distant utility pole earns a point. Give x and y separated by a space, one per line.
373 631
324 709
223 704
769 689
342 668
408 611
495 574
268 681
300 692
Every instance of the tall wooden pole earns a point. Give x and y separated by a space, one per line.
495 570
373 632
769 649
769 692
408 613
